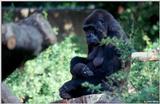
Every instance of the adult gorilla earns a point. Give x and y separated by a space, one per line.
102 61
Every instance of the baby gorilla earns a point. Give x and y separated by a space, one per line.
101 61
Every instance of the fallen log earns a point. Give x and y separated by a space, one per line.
153 55
21 33
24 40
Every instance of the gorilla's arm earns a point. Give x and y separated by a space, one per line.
112 60
92 54
79 68
98 60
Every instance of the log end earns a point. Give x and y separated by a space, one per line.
11 42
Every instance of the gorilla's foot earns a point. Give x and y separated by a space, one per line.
64 94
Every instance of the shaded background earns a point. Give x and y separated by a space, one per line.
40 79
68 16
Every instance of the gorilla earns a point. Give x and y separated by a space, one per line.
102 60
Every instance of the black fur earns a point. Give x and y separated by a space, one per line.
102 61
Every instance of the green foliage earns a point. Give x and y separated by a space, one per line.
55 30
58 5
124 48
8 16
43 76
141 23
154 45
45 14
91 87
144 79
143 82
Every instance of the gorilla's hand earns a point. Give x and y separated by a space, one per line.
86 72
81 70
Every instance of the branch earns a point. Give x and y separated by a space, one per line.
146 56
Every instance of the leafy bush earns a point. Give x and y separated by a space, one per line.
141 23
124 48
144 78
143 81
41 77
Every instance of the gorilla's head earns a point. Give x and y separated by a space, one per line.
100 24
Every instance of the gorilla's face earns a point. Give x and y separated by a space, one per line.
91 35
95 28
